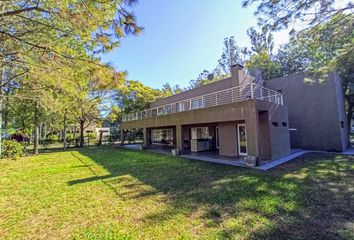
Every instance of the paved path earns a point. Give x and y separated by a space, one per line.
264 167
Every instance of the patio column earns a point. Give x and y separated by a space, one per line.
146 136
252 132
122 136
179 137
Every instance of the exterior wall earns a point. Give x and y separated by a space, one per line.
315 110
209 88
186 135
279 135
223 113
265 151
238 77
274 141
147 134
239 111
228 139
226 116
105 130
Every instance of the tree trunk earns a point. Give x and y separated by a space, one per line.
5 114
36 129
100 139
64 132
122 136
1 113
82 137
349 118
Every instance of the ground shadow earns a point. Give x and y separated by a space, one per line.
311 197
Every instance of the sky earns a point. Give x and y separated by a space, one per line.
181 39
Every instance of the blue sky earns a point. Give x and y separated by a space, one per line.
181 39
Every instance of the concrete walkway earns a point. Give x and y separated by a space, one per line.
275 163
280 161
239 163
235 162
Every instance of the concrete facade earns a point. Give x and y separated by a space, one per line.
316 111
312 117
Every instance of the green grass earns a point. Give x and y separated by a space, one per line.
110 193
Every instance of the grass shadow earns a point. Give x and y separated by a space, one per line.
311 197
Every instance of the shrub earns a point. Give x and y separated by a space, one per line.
53 138
91 136
12 149
46 143
71 139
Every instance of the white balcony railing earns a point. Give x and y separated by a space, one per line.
230 95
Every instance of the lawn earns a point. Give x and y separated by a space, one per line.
110 193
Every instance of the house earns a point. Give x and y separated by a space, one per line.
245 116
90 129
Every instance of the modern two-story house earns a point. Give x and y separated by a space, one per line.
245 116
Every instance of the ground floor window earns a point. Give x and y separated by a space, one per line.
200 133
162 136
200 139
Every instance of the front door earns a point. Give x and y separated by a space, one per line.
242 139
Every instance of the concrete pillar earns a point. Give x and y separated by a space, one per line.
146 136
252 132
179 137
122 136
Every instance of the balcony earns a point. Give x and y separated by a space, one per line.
230 95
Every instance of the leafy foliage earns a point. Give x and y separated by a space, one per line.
48 58
53 138
284 13
261 41
263 62
12 149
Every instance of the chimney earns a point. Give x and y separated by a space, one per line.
236 73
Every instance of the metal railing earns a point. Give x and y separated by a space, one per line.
230 95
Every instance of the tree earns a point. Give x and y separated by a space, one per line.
262 41
281 14
264 62
168 90
135 96
40 37
36 26
261 54
328 35
333 50
231 55
293 57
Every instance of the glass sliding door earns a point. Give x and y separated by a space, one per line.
242 139
217 137
200 139
162 137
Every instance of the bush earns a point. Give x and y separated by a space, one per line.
91 136
53 138
71 139
46 143
12 149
